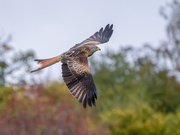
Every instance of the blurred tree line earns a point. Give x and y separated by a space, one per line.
139 92
13 63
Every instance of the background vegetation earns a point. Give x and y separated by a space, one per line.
139 92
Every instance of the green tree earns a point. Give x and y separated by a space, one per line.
169 51
13 65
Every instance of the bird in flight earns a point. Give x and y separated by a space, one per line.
75 69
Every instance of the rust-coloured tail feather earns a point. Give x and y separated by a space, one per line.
46 62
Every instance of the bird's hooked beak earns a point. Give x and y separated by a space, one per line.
98 49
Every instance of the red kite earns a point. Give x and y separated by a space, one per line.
75 69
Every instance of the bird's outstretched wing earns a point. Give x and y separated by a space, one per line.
78 79
100 37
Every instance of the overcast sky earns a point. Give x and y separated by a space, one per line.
50 27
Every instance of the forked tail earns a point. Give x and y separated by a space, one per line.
46 62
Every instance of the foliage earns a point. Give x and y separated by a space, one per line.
142 122
37 110
13 63
168 52
125 84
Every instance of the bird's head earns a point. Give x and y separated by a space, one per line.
93 49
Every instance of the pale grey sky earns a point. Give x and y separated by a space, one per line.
50 27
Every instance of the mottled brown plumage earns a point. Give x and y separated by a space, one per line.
75 69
